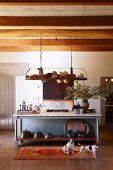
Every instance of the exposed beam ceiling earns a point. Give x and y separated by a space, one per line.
91 27
82 40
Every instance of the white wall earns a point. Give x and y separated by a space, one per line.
97 64
29 91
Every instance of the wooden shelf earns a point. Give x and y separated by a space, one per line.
47 79
93 139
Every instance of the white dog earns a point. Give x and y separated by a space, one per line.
69 147
90 148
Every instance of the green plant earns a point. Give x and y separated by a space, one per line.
84 92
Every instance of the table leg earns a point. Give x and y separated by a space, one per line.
16 129
16 125
20 125
97 130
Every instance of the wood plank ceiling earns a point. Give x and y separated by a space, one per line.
89 23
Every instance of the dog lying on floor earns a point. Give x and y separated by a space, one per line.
90 148
69 147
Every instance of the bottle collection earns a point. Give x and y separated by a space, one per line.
24 107
29 107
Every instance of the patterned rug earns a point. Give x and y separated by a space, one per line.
47 152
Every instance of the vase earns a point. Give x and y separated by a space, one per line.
85 106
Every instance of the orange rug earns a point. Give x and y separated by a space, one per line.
47 152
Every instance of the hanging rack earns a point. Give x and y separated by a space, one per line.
64 76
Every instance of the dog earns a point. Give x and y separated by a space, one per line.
69 147
90 148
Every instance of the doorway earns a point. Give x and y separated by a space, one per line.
107 84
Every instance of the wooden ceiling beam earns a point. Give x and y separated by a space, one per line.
81 48
56 48
58 2
55 42
59 33
56 21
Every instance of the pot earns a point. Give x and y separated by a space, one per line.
25 134
48 135
38 134
71 133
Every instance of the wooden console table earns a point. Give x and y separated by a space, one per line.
45 115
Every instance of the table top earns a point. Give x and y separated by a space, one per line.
45 114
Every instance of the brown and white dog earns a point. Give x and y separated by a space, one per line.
69 147
90 148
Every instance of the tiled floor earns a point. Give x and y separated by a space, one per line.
104 160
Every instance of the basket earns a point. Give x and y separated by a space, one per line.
80 126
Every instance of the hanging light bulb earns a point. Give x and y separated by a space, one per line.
106 80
